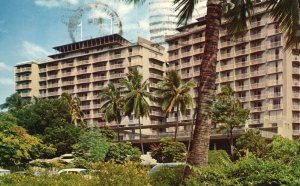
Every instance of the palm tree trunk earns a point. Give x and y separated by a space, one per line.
141 141
198 155
177 121
231 144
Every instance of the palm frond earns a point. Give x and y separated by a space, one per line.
186 9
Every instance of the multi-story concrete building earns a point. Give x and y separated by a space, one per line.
265 77
84 69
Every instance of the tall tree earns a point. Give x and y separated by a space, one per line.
14 103
174 93
112 106
284 12
228 113
135 100
73 105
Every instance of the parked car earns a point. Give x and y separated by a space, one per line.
160 165
73 171
4 172
66 158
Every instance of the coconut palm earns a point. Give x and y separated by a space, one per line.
135 100
284 12
14 103
174 93
112 106
73 105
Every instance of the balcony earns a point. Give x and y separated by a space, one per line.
242 87
83 71
173 57
156 113
226 55
196 72
226 43
186 54
67 65
42 70
157 76
258 73
53 85
296 95
83 62
273 31
257 109
241 64
23 78
85 107
26 69
242 40
25 94
257 24
86 80
255 122
275 107
22 86
156 66
53 76
117 75
52 68
258 97
100 68
115 66
275 70
241 52
258 36
274 57
243 99
274 82
66 83
296 106
53 93
256 61
258 85
99 78
227 67
274 95
83 89
65 74
101 58
186 75
198 51
198 39
183 65
116 56
275 44
296 132
227 78
70 91
197 62
242 76
258 48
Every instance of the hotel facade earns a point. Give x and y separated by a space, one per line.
264 76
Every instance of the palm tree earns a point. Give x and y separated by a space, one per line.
284 12
112 106
174 93
135 100
73 105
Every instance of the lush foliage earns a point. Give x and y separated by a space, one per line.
17 147
168 151
168 176
251 142
122 152
14 103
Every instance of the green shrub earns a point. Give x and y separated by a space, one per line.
168 176
218 158
123 151
168 151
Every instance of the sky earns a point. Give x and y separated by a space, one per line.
29 29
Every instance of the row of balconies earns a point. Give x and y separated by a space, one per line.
187 42
24 69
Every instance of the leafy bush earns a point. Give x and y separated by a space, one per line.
122 152
168 151
218 158
166 176
110 173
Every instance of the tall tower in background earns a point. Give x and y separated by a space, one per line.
163 18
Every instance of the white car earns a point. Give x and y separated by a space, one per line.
4 172
73 171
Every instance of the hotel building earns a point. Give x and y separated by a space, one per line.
264 76
84 69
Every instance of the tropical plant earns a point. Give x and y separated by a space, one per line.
112 106
174 93
73 105
237 13
228 113
135 100
122 152
168 151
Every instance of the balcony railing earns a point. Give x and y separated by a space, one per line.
242 76
99 78
241 64
258 73
258 85
23 69
257 61
152 75
187 75
227 67
117 75
83 62
116 66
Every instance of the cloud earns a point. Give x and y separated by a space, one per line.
55 3
6 81
5 67
32 50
